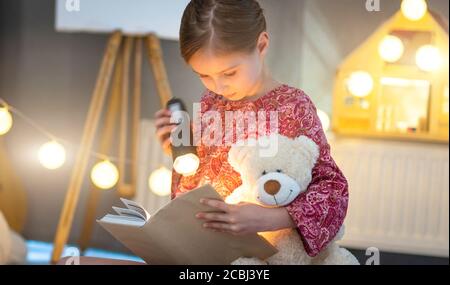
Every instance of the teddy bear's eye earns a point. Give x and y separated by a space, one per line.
279 170
264 172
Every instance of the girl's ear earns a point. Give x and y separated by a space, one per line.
263 43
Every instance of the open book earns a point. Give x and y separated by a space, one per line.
173 235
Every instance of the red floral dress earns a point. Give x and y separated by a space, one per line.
318 212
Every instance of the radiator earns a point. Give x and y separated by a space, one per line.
398 195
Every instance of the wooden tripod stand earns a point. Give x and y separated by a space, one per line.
116 60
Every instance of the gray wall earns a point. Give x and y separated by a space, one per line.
50 76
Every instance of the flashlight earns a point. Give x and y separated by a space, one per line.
185 159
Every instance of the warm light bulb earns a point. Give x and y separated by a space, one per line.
160 181
324 119
6 121
52 155
391 48
428 58
360 83
104 175
186 164
414 10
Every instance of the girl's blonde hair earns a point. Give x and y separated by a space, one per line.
223 25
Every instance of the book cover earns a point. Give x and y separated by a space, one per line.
173 235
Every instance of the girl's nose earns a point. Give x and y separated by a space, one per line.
272 187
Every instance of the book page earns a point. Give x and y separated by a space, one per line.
127 212
135 207
174 236
123 220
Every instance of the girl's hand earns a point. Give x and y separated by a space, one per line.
243 218
163 128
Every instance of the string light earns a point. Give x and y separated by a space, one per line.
52 155
160 181
6 120
104 175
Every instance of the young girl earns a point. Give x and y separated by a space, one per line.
225 42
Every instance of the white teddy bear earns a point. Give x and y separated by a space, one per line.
274 170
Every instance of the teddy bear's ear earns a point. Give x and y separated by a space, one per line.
308 148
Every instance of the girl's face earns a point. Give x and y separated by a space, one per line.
233 76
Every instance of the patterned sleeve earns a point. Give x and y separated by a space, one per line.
319 212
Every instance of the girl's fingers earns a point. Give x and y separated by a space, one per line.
217 226
162 121
224 227
166 144
216 204
162 112
161 132
219 217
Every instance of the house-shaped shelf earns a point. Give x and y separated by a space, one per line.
395 85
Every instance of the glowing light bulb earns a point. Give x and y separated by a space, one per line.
104 175
324 119
414 10
6 121
360 83
52 155
428 58
391 48
186 164
160 181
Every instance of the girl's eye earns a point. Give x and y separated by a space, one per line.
279 170
230 74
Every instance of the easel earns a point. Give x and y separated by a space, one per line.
116 60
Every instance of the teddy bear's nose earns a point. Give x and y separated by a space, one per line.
272 187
